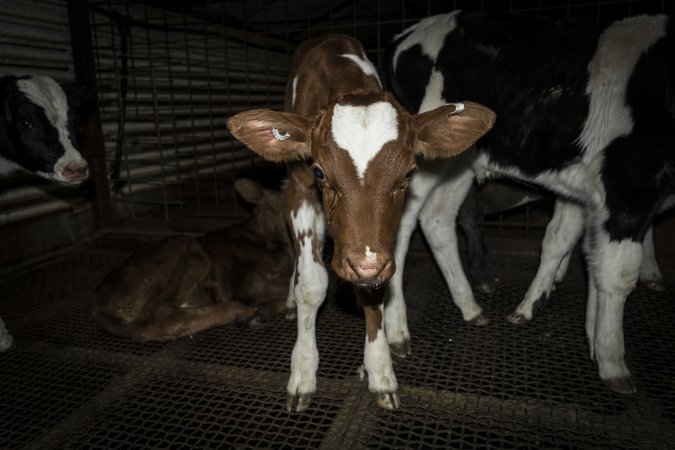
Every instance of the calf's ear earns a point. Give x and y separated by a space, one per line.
276 136
450 129
250 190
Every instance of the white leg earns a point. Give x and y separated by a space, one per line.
309 293
615 271
395 317
592 300
6 339
562 234
438 222
376 356
291 312
650 274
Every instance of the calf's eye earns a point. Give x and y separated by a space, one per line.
318 173
25 123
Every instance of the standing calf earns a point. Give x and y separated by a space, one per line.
37 135
587 114
186 285
353 150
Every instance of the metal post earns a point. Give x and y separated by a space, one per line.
92 143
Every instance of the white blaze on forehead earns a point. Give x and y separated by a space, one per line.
364 63
363 130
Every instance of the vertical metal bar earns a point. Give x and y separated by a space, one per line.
93 145
172 107
191 103
209 85
155 103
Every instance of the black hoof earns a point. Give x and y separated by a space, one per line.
622 385
401 349
298 403
6 343
654 285
479 321
486 288
387 400
516 319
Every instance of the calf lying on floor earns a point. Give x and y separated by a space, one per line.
37 135
186 285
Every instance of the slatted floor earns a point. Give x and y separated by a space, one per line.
67 384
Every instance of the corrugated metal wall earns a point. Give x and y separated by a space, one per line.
35 39
168 81
36 215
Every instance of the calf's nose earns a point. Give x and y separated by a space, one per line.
76 171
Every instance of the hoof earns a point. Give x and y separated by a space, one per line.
486 288
655 285
516 319
401 349
6 342
479 321
291 313
298 403
387 400
622 385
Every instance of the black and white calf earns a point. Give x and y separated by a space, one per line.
37 135
588 114
37 130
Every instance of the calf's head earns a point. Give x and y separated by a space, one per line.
362 149
37 129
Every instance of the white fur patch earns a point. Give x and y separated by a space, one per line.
363 130
429 33
364 64
48 94
619 48
295 91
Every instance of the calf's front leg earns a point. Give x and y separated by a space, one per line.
6 339
308 290
376 356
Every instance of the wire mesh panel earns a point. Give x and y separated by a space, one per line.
168 81
171 72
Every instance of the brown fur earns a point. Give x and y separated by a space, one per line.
185 285
358 214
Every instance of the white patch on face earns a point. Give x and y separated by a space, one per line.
47 93
365 65
295 90
369 254
363 130
619 49
429 33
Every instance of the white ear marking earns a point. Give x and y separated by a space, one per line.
279 136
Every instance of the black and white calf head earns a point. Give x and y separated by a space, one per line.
37 130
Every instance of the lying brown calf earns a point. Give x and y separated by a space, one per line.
185 285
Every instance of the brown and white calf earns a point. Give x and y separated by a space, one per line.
353 150
185 285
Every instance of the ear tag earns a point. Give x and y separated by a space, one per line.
281 137
459 107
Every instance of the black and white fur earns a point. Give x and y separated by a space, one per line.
37 135
37 130
588 114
